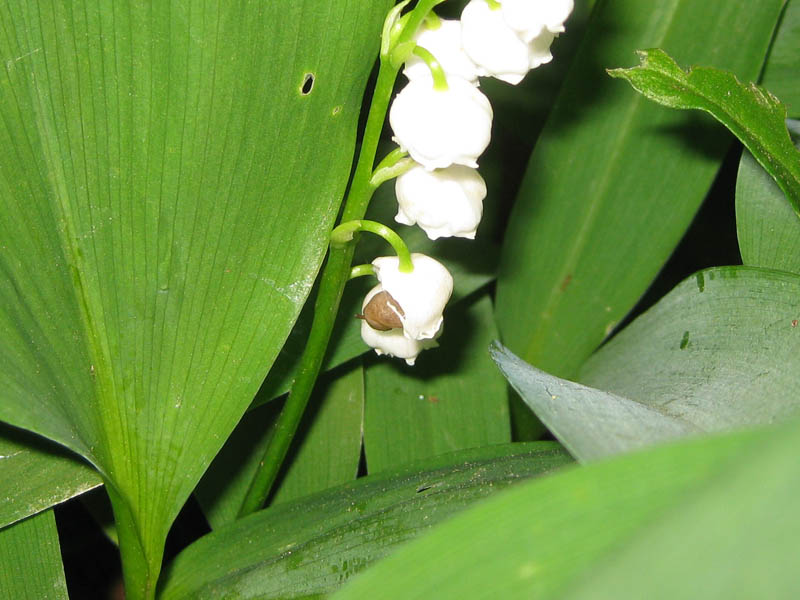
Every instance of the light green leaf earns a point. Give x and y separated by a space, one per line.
721 350
326 452
31 560
590 423
534 540
768 232
736 537
167 188
751 113
309 547
780 72
38 474
614 181
452 399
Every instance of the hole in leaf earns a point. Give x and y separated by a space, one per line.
308 84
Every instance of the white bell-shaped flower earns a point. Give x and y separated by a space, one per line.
444 203
392 342
419 297
496 48
441 128
444 43
530 18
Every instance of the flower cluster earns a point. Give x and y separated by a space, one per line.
443 121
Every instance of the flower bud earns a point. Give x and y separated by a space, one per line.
444 43
496 48
441 128
444 203
421 294
416 299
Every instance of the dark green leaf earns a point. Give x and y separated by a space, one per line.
306 548
614 181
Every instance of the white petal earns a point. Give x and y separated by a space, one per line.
422 293
445 44
441 128
529 18
444 203
496 48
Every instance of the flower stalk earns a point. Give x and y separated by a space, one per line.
337 269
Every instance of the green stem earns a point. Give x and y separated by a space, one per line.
362 271
335 275
439 78
344 233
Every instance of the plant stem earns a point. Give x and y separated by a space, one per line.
334 276
345 232
362 271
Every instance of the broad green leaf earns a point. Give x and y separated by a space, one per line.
590 423
452 399
473 264
534 540
614 180
38 474
751 113
326 452
768 231
167 187
31 560
736 537
310 547
721 350
780 72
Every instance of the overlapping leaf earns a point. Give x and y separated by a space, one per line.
310 547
